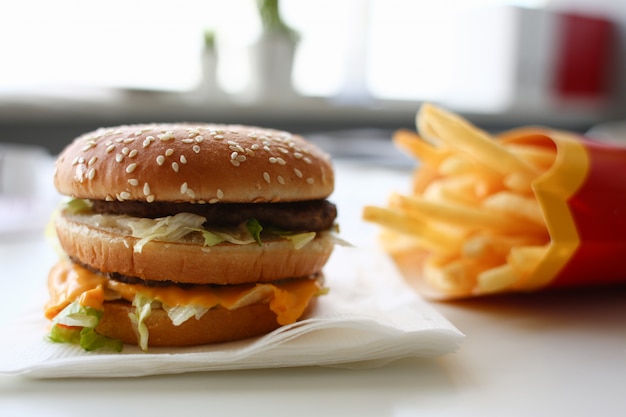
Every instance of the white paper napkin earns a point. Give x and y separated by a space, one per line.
369 318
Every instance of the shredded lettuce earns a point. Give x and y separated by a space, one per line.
299 240
180 314
165 228
142 310
339 241
210 238
76 324
78 205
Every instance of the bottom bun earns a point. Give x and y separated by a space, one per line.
215 326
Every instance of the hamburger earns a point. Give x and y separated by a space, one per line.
187 234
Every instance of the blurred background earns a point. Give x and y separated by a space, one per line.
359 68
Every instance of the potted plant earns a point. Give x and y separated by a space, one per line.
272 55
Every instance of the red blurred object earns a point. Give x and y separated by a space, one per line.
584 56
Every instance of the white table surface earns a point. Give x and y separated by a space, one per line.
542 355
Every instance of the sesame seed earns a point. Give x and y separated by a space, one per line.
91 173
283 150
307 160
298 172
199 138
232 143
110 148
188 141
255 146
175 166
241 158
234 155
310 180
272 160
147 141
81 160
119 157
183 159
150 198
129 140
266 177
220 193
108 198
297 155
133 182
193 132
160 160
191 193
92 160
125 195
218 137
249 152
253 135
280 161
75 161
130 168
196 148
267 148
183 188
219 131
132 153
214 200
146 189
169 135
281 180
169 152
235 162
89 146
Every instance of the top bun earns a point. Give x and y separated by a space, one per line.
198 163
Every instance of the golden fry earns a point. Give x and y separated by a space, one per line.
414 145
525 259
539 157
516 206
456 277
458 134
462 216
496 279
427 235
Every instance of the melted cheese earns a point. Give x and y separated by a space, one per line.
68 282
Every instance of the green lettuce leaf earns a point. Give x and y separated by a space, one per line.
255 229
76 324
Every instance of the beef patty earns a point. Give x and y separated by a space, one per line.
311 216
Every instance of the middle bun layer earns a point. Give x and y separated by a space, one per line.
112 251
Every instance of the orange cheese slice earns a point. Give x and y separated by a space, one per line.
68 282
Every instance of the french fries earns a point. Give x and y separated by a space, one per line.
471 221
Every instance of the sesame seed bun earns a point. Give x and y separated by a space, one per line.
200 163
